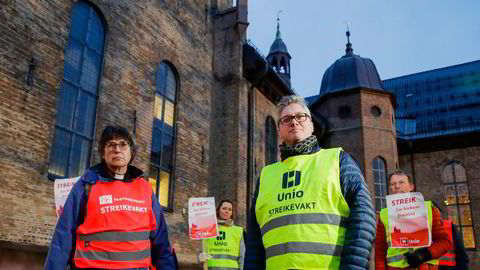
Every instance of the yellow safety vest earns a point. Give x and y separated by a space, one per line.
301 212
395 257
225 248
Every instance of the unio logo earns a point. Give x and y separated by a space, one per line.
221 235
290 179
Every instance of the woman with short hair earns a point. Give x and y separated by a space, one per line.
111 218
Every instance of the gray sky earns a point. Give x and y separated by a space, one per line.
400 36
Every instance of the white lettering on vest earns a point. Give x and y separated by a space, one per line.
122 207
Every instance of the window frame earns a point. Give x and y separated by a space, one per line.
458 205
158 166
71 131
376 171
270 128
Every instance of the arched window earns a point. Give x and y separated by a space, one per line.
457 200
380 180
163 136
77 98
270 141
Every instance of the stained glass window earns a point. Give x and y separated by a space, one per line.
457 200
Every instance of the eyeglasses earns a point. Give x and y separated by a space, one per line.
286 120
112 146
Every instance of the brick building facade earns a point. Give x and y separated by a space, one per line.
199 42
221 113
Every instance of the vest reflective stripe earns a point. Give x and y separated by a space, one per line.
304 247
225 249
222 268
304 219
117 227
301 212
116 236
228 257
395 257
449 257
113 256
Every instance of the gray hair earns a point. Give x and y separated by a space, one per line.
287 100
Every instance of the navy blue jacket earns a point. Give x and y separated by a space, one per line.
63 243
360 227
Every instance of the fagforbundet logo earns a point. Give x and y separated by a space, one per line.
105 199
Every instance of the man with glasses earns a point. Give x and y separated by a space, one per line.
112 218
312 210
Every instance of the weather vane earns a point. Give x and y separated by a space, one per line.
347 23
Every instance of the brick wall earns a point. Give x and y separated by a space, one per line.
139 36
228 154
427 171
264 107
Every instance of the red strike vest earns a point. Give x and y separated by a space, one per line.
116 230
449 257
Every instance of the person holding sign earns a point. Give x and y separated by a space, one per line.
227 251
313 209
387 257
111 218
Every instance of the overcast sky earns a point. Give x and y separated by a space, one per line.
400 36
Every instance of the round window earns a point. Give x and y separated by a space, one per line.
376 111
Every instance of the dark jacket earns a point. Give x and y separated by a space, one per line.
360 228
63 243
461 257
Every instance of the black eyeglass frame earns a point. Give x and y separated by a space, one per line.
299 117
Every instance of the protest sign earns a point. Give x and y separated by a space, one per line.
202 218
408 221
61 190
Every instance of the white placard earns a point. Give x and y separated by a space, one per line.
202 218
61 189
408 221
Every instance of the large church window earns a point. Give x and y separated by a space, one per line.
457 200
270 141
77 99
380 181
163 136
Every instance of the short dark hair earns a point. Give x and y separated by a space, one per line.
220 205
400 172
115 132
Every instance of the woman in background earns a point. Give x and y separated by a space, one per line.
228 249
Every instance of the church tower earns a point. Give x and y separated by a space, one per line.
360 118
279 57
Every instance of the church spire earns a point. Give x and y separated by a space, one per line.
349 49
278 56
278 35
